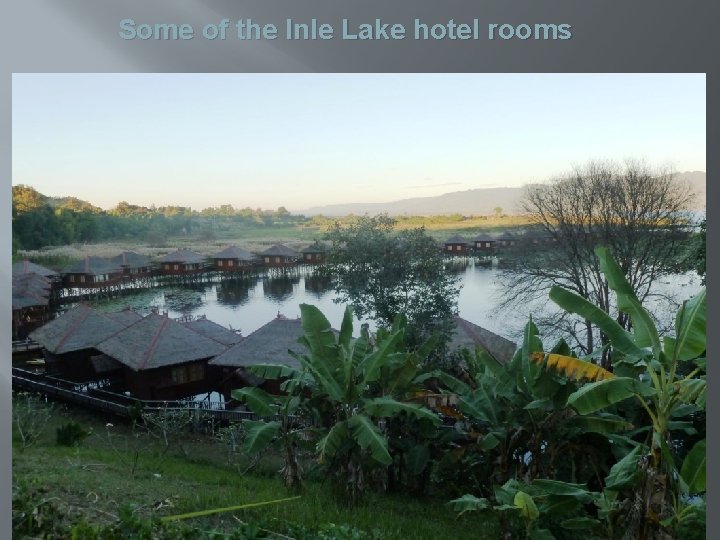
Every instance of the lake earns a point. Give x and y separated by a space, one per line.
248 304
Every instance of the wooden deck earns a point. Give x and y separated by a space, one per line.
93 395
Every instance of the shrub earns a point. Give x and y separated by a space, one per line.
71 434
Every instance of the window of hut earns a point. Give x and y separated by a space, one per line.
267 259
179 375
176 267
220 262
82 279
196 372
231 263
72 278
277 259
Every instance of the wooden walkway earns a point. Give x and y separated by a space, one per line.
92 395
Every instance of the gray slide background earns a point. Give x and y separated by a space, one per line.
609 36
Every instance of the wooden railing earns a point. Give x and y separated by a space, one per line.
90 394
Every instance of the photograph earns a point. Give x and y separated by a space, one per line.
359 305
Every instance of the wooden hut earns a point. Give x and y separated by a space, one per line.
457 245
232 259
314 253
133 265
27 267
469 335
484 243
182 262
92 272
506 239
279 256
160 359
269 344
70 340
30 303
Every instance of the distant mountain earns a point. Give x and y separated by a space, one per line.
482 201
696 180
471 201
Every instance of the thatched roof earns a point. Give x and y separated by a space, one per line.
506 236
183 256
269 344
102 363
315 247
93 266
29 290
158 341
279 250
126 317
456 239
80 328
234 252
214 331
27 267
468 335
483 238
131 259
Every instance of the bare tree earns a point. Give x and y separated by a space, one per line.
634 209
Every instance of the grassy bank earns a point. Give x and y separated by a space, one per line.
117 477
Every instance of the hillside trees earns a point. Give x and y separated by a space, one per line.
634 209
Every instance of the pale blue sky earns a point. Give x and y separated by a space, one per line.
301 140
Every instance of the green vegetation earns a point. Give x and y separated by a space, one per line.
86 490
383 273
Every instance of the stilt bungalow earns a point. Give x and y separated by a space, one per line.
30 303
279 256
468 335
92 272
70 340
484 244
27 267
456 245
160 359
506 239
133 265
182 262
314 253
233 259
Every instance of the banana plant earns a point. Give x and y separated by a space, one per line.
355 386
281 423
666 376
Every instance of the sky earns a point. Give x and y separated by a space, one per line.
302 140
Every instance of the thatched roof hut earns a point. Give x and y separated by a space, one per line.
30 290
279 255
132 263
469 335
182 261
183 256
269 344
27 267
236 253
456 245
314 253
214 331
158 341
80 328
126 317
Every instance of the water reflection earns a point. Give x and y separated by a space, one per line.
279 289
185 299
317 284
235 292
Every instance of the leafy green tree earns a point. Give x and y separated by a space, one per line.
383 273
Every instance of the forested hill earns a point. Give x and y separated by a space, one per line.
40 221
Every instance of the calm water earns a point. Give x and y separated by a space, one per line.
249 304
